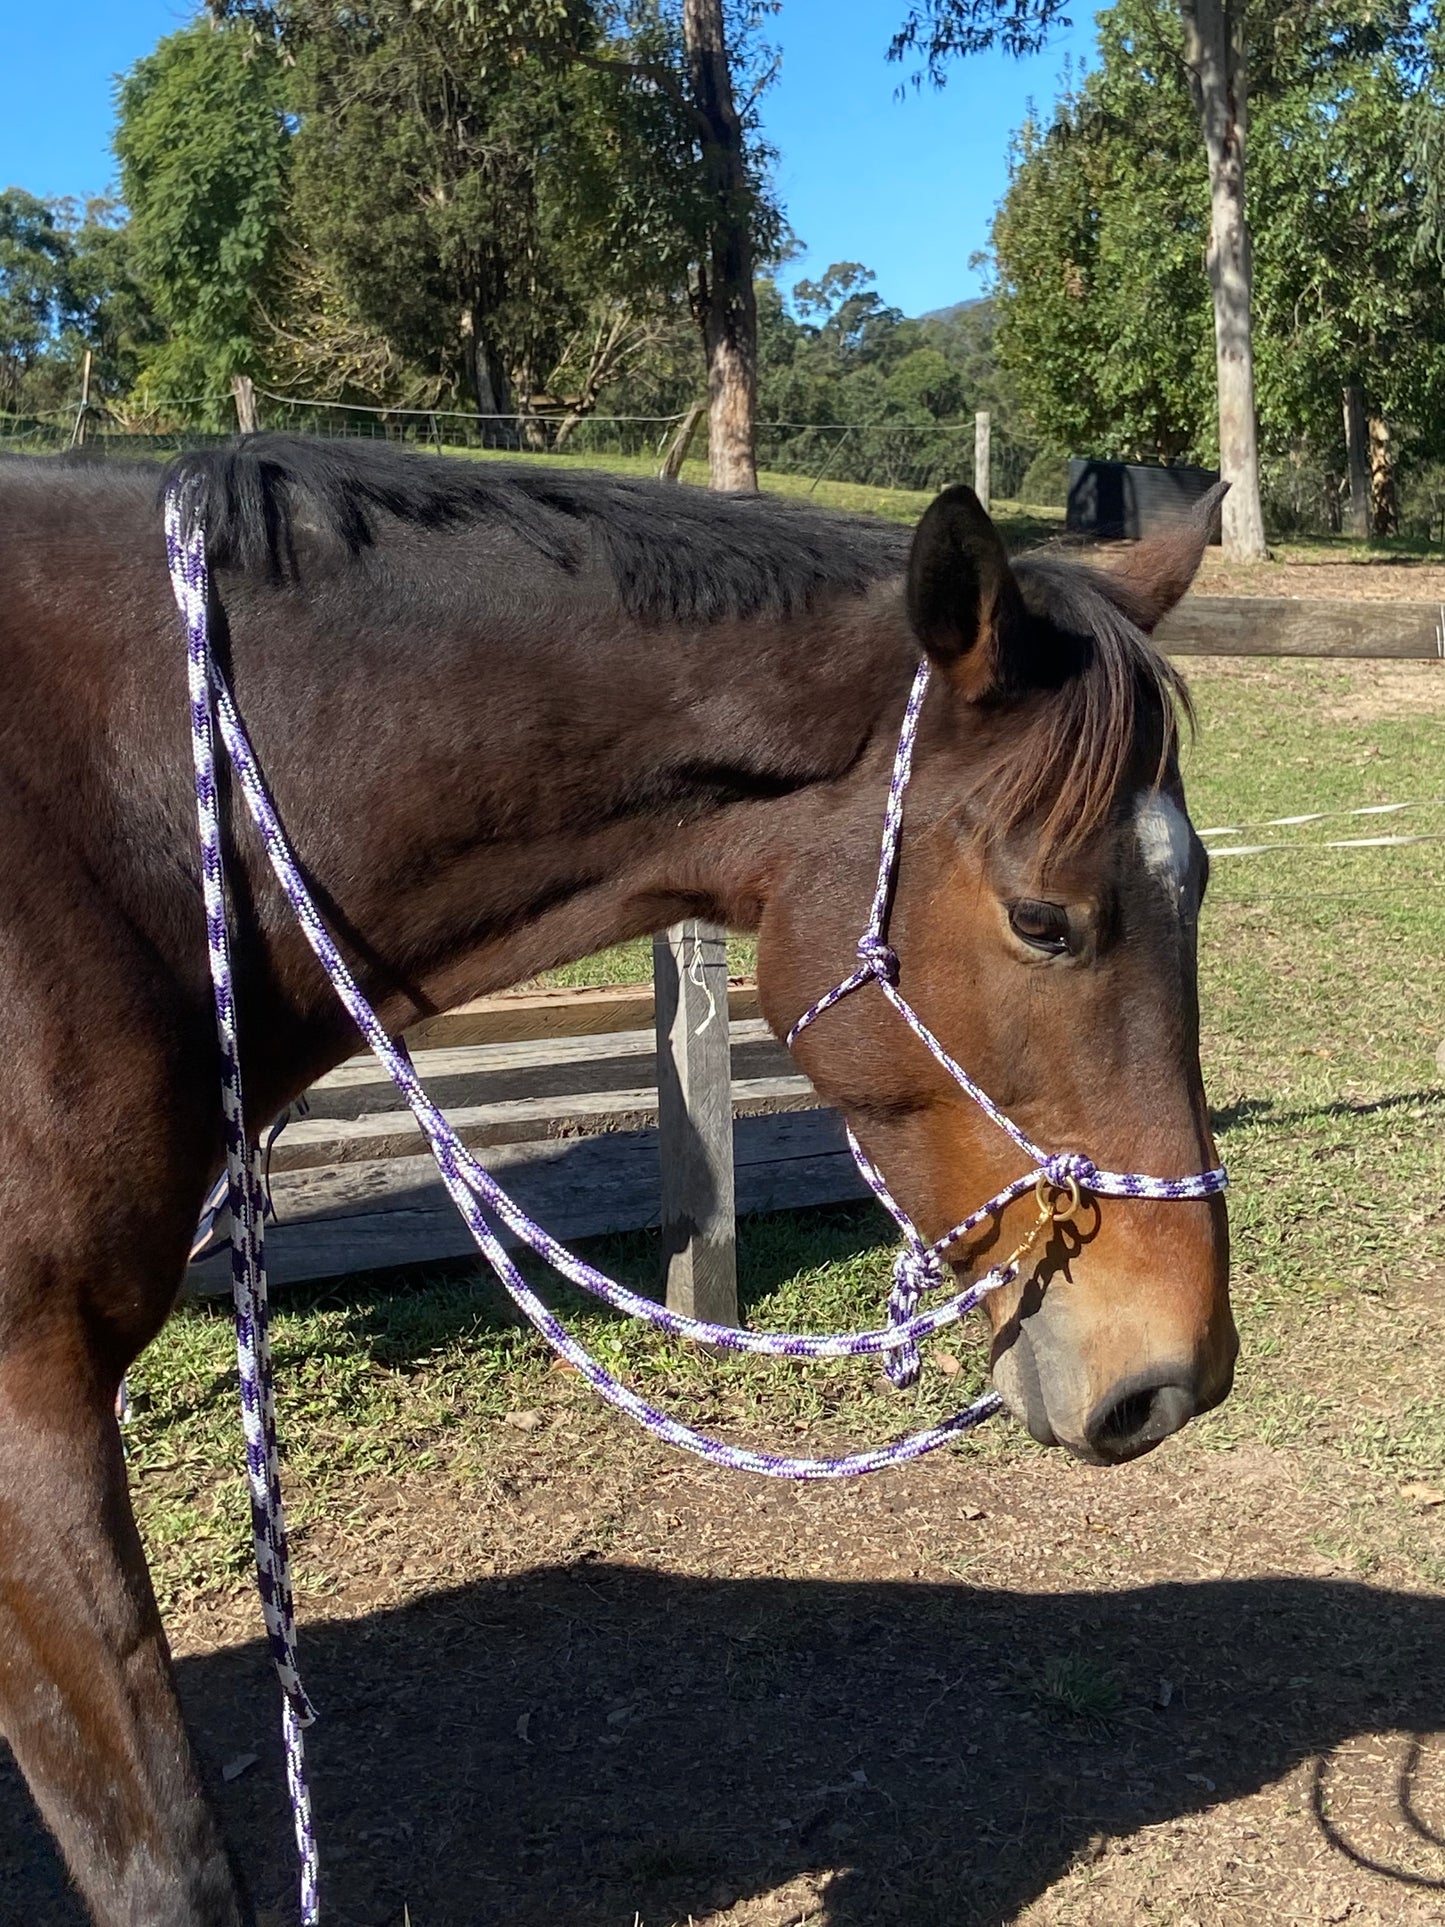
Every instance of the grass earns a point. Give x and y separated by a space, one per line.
1071 1687
1323 984
1021 523
1323 987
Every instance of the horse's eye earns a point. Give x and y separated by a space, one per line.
1043 925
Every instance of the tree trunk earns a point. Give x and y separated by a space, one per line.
488 380
1355 450
1384 506
1214 52
725 304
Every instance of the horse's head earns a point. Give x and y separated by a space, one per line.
1045 915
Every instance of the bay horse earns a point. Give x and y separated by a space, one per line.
511 716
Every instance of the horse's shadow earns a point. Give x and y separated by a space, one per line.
582 1745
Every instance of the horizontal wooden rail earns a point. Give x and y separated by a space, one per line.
393 1211
1239 625
522 1016
314 1141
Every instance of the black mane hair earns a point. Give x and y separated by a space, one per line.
675 553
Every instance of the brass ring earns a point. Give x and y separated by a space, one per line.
1060 1201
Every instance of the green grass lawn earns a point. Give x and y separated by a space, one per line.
1021 523
1323 981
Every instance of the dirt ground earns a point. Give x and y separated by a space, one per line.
1382 578
603 1687
1354 692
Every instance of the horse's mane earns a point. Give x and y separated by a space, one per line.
1110 721
675 553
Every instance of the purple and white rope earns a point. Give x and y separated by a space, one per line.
187 554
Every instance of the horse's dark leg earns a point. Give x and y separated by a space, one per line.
87 1700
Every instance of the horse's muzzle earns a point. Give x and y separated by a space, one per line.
1106 1396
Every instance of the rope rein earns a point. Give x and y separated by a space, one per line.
1058 1180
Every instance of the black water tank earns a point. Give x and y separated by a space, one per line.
1120 501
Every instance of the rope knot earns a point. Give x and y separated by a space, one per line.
879 957
1068 1165
916 1269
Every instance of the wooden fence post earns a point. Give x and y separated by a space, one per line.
243 390
983 457
82 417
695 1121
671 469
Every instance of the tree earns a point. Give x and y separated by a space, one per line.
725 304
202 137
685 207
36 298
1216 48
1105 323
67 288
1103 315
1348 301
1216 62
518 226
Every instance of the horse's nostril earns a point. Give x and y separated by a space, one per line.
1129 1416
1137 1416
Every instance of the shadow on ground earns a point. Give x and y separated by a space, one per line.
578 1745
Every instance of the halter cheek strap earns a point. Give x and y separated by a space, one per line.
919 1266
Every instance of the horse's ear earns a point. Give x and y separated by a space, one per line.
963 602
1156 572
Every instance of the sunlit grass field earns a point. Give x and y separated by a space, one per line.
1323 982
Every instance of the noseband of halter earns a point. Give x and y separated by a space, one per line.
1061 1174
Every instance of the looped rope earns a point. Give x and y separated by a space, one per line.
1064 1166
916 1269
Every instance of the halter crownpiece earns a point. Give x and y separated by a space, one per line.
919 1267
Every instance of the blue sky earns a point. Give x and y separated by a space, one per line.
907 187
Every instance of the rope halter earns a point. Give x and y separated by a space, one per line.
1060 1178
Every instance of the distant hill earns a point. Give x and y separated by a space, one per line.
952 313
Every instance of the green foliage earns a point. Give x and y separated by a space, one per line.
471 207
500 204
1106 320
892 399
202 139
937 31
67 284
1343 293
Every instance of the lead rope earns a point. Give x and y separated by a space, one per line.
1057 1181
248 1263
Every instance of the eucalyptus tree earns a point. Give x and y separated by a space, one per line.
553 146
1217 42
1105 322
67 289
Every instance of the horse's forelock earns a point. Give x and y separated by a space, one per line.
1072 749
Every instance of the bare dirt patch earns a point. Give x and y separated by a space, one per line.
1381 578
595 1684
1346 692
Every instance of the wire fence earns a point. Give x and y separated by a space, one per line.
918 455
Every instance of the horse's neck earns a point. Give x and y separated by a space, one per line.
519 805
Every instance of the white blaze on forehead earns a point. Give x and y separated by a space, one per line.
1164 840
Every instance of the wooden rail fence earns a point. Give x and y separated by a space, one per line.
559 1089
644 1105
